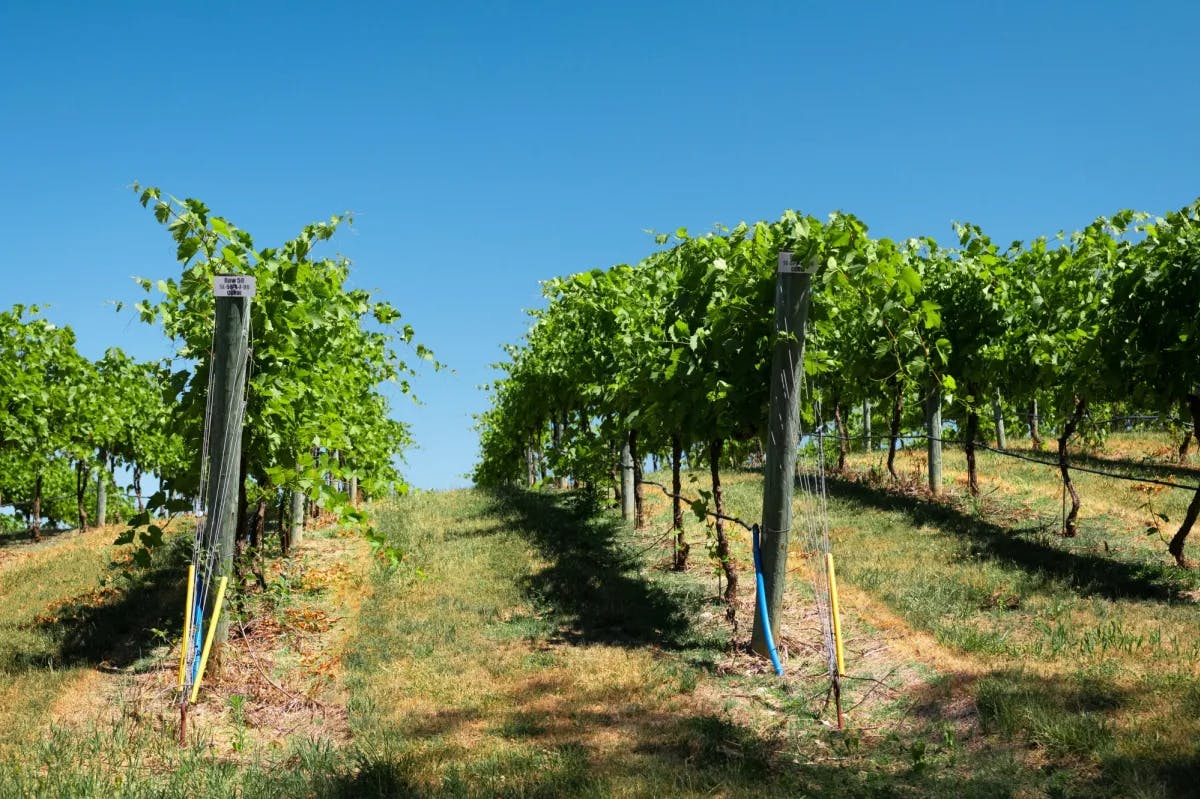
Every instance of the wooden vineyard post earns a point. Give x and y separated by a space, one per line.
628 500
296 536
998 415
224 452
867 425
793 290
933 424
102 489
1035 436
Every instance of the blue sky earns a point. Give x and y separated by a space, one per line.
485 147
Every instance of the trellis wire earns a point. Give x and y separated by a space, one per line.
208 536
815 522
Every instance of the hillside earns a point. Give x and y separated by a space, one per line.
532 645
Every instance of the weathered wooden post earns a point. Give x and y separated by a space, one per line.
296 535
102 489
628 500
867 425
224 451
793 290
933 430
998 416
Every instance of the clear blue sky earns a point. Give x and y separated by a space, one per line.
485 147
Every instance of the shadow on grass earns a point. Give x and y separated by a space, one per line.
557 732
18 538
658 755
1070 720
587 744
1174 777
116 627
592 582
1029 548
1187 476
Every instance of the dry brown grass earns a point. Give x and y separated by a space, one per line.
280 674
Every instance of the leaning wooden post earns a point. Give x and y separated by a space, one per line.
224 453
793 289
933 425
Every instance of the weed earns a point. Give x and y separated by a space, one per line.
968 638
237 714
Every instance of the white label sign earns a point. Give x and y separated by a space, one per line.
233 286
788 265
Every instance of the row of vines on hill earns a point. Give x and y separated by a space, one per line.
319 431
670 357
66 423
317 423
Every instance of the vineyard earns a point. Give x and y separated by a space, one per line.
309 432
316 420
672 357
676 359
996 442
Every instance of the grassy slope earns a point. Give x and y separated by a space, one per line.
539 656
1084 650
87 676
57 623
543 650
1089 647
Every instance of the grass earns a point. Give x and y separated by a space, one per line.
1080 654
544 653
532 645
87 691
514 667
1083 649
58 623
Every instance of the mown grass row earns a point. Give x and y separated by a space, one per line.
1082 654
546 653
532 645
